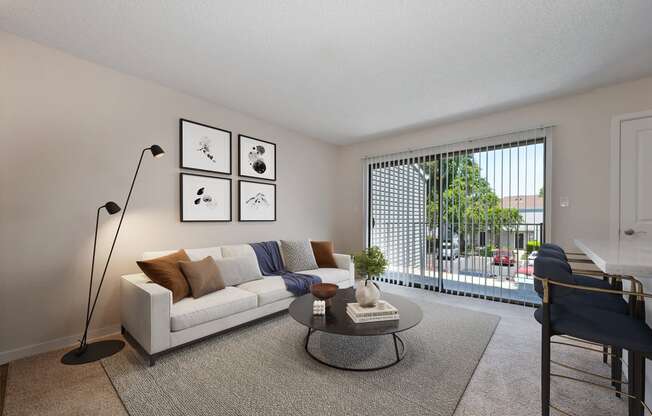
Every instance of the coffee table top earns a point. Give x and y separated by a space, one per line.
337 321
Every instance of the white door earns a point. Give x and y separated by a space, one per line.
636 179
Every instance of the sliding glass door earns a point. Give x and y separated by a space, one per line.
461 219
400 222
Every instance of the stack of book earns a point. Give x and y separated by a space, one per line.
383 311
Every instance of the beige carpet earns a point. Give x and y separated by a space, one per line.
41 385
3 386
263 369
505 382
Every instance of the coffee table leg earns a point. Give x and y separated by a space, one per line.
398 357
308 338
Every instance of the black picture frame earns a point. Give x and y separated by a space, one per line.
240 201
181 210
181 143
240 136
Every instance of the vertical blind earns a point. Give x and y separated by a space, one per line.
463 217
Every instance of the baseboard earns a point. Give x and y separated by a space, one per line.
55 344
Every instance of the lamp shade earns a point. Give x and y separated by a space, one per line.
112 207
157 151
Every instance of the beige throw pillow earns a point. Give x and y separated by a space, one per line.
237 270
203 276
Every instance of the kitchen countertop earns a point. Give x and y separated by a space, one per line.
632 258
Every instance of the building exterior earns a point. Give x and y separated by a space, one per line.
531 209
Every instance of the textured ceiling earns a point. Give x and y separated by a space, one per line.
347 70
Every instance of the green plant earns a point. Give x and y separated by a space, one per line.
370 262
533 245
488 251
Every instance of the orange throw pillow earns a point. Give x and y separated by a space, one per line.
166 272
323 251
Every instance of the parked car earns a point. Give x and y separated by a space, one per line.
504 257
531 257
526 270
450 251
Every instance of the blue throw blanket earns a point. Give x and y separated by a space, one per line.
271 264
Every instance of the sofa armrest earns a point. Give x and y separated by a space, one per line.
145 312
345 262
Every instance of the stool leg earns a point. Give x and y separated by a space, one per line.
636 380
545 371
640 379
617 369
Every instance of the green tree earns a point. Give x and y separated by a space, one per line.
541 192
469 203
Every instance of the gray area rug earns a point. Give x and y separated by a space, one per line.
262 369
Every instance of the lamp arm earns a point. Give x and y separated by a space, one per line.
115 238
82 343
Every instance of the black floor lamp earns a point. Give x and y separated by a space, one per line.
89 352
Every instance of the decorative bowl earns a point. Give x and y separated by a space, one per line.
323 291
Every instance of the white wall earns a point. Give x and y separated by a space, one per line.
70 135
580 160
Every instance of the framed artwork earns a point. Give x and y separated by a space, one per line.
257 201
205 198
257 158
204 147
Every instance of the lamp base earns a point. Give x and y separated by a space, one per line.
93 352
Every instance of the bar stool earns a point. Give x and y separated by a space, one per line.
552 250
607 301
559 315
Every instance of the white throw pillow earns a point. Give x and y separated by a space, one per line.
238 270
298 255
196 254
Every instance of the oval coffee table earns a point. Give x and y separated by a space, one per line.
337 321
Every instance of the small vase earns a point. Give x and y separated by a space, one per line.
367 293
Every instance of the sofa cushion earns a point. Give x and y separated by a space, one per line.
268 289
236 270
197 254
191 312
297 255
329 275
166 272
238 250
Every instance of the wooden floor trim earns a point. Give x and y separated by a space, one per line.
4 370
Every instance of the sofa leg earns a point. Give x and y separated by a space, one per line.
152 360
122 330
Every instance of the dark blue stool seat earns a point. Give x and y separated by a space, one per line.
605 301
598 325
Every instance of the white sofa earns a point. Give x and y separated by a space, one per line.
154 324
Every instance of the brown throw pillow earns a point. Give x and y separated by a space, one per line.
203 276
166 272
323 251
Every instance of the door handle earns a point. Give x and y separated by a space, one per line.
630 231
